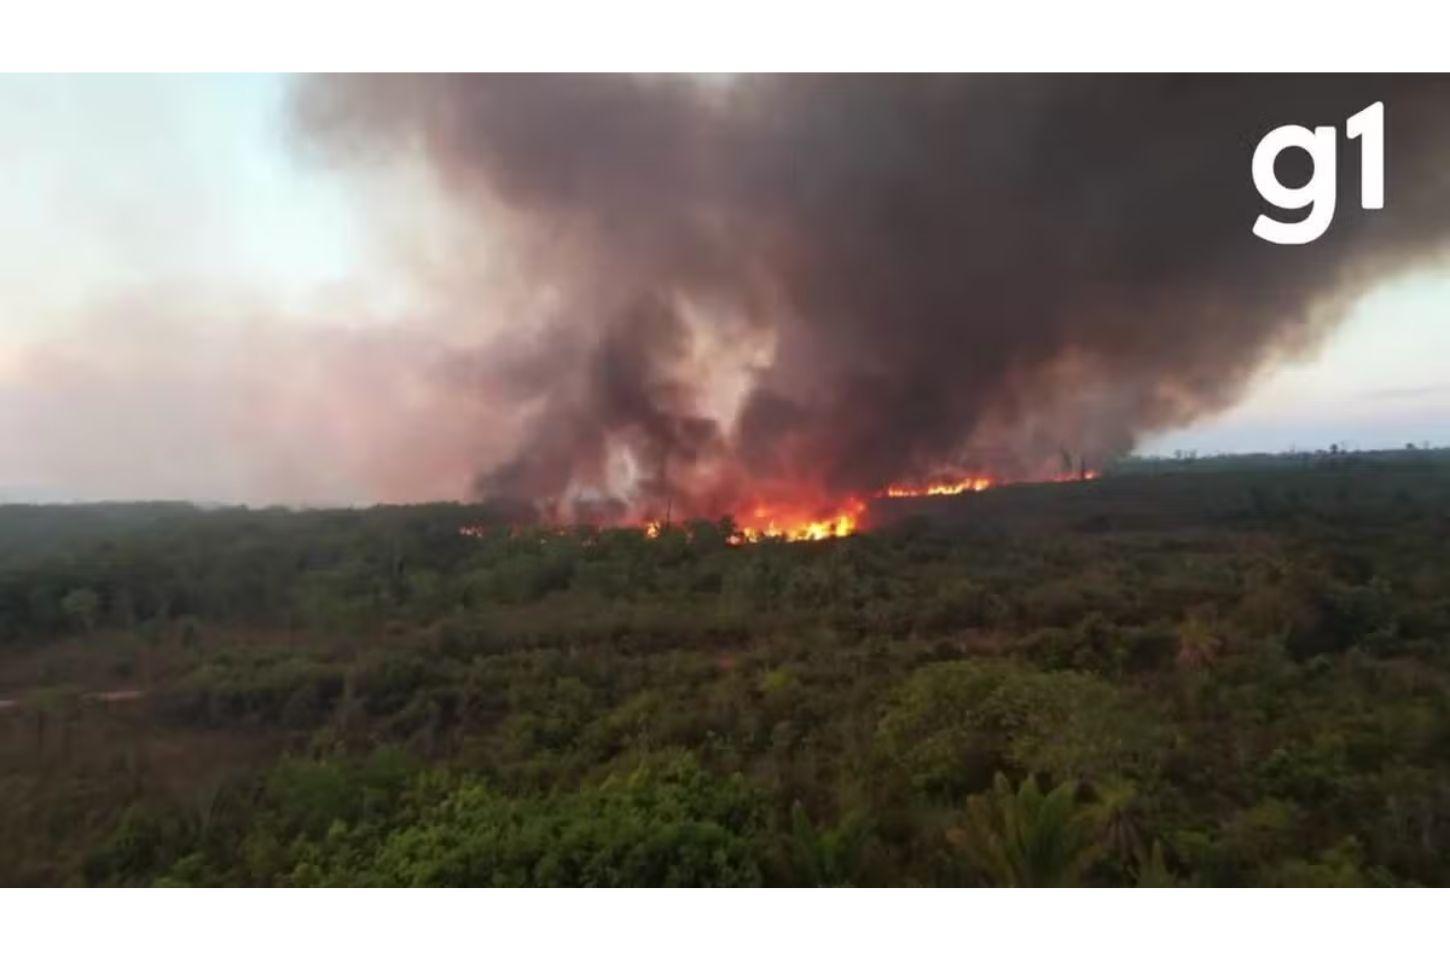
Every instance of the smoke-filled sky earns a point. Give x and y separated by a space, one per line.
345 290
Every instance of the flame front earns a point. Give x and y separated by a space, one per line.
820 518
769 522
947 489
775 521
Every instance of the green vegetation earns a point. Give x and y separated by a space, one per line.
1203 677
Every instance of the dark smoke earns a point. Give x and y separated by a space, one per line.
941 273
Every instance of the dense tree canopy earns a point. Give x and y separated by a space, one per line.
1200 677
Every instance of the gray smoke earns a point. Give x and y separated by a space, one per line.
904 276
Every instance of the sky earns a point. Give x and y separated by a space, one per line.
112 182
191 306
1381 380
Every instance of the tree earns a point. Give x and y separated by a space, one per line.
827 857
80 606
1025 838
1198 644
1116 817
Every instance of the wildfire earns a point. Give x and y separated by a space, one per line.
951 488
793 522
773 522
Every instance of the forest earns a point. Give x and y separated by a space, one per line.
1166 676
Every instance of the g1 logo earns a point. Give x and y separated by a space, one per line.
1318 194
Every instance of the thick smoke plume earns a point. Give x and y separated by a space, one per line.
776 287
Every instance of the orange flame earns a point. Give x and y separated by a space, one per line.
951 488
788 524
794 522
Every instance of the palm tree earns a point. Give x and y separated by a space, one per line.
1152 870
1025 838
1116 815
1198 645
829 857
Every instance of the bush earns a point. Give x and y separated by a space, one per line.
666 824
951 725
